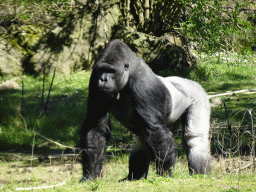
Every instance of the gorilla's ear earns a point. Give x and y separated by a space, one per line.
126 66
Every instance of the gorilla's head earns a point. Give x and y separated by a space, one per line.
115 64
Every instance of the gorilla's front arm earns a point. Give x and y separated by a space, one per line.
147 105
95 133
151 101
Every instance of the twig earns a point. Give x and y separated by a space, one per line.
42 103
61 155
229 126
42 187
74 148
105 23
230 152
248 165
22 101
253 138
232 92
25 123
33 146
45 107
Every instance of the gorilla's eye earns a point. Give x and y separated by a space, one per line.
126 66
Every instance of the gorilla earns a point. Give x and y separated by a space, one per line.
148 105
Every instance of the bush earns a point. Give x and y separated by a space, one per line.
220 25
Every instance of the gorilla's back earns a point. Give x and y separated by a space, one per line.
184 93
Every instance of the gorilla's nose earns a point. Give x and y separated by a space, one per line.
104 78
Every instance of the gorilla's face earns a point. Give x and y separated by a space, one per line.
115 64
111 78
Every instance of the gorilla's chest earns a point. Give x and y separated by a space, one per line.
123 110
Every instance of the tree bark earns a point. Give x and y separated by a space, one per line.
140 11
147 9
128 12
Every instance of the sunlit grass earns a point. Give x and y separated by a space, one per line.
19 175
225 73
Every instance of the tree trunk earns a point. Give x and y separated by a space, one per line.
140 12
147 9
127 15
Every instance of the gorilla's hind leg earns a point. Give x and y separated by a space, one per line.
199 161
196 138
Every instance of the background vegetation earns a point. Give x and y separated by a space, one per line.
42 31
220 34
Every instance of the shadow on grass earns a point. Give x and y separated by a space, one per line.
60 122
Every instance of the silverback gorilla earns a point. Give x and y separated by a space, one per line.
147 104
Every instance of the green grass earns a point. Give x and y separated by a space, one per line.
19 175
225 73
67 108
60 122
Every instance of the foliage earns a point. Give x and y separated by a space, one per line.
208 25
25 22
214 24
220 25
69 43
151 16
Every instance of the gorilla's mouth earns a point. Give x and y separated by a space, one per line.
109 92
105 89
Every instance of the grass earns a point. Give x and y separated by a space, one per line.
66 109
61 120
225 72
62 113
21 175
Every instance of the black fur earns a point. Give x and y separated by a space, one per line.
124 85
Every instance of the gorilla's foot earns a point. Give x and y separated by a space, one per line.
85 179
124 179
199 165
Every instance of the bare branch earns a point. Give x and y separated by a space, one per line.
246 91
